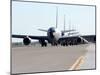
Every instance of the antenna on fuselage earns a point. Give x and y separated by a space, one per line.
56 16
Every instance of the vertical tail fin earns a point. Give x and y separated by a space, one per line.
56 16
69 27
64 22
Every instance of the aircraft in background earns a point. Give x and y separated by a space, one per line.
55 37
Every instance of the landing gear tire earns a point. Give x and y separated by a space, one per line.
44 44
54 44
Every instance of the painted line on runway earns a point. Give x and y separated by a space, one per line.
77 64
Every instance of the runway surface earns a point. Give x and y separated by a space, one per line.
52 58
89 58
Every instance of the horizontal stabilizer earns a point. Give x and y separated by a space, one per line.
43 30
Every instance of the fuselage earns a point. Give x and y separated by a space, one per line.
53 35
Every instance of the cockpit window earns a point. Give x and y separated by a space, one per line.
52 29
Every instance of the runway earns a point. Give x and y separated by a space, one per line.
89 58
46 59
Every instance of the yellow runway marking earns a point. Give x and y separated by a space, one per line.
77 64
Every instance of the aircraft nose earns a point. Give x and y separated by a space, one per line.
56 35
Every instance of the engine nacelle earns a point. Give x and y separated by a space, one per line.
79 40
95 38
26 41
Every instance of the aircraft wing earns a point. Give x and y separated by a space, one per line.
86 38
32 37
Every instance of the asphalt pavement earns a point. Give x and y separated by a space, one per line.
32 59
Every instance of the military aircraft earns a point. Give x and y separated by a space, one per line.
55 37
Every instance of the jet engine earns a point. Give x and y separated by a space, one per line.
95 38
79 40
26 41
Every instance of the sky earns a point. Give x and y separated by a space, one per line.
28 17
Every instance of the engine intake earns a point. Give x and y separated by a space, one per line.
26 41
79 40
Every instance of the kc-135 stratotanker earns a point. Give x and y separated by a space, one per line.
55 37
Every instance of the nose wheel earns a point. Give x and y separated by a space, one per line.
44 44
54 43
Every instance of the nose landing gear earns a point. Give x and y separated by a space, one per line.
43 43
